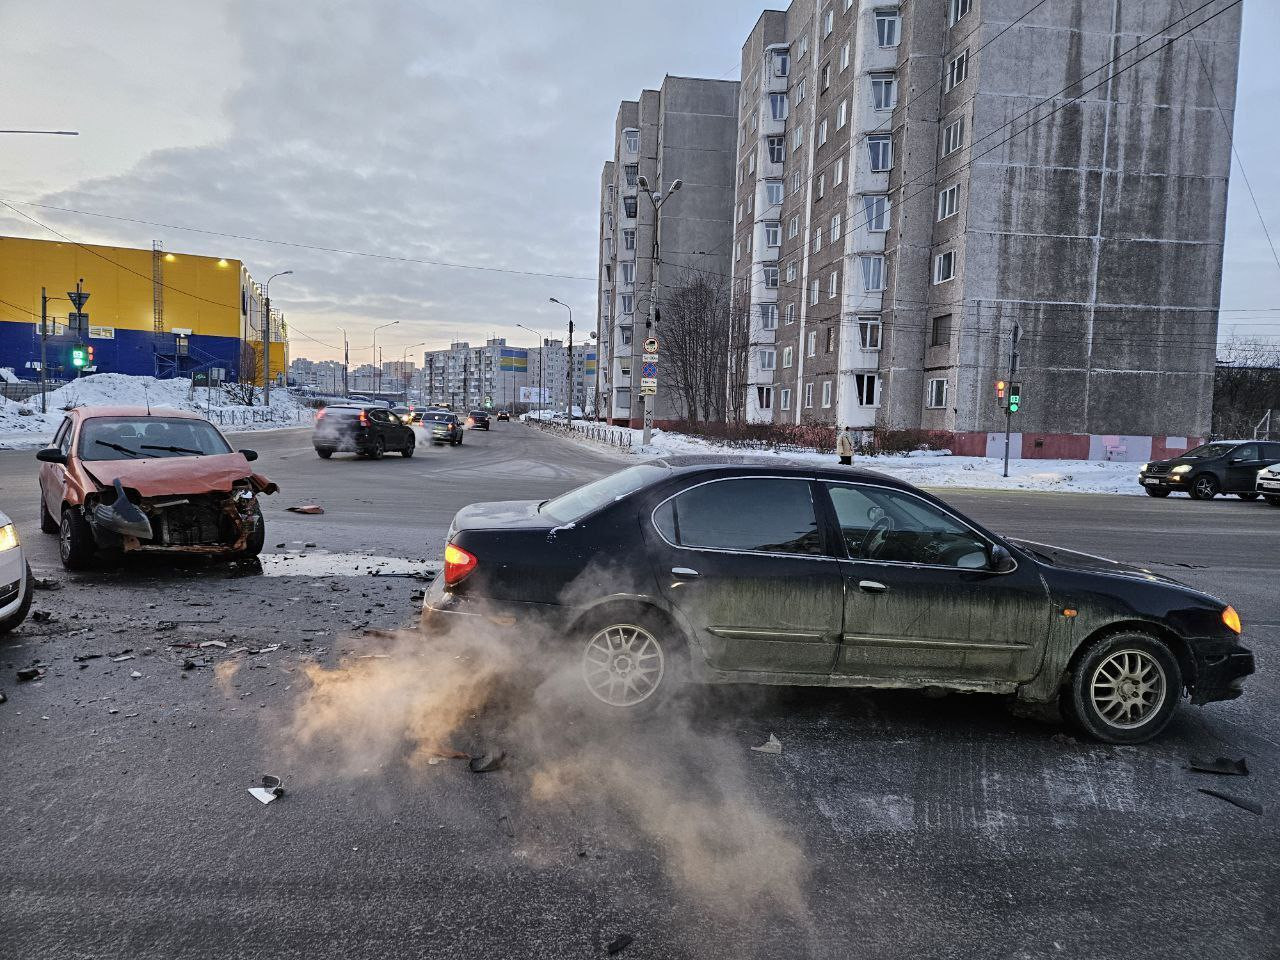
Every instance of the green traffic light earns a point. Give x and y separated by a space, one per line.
77 357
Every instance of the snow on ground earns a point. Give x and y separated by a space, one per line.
118 389
931 468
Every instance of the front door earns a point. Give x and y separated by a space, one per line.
921 602
1243 464
745 562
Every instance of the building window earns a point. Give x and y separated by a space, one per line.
772 233
622 399
751 162
837 177
785 400
626 335
787 354
842 114
628 239
808 395
778 105
628 271
875 210
632 138
781 63
768 316
629 207
773 191
944 266
957 70
887 21
777 147
835 227
764 397
791 272
864 385
937 395
796 182
804 46
869 333
737 250
811 344
872 272
947 201
822 131
880 146
768 359
833 285
817 239
815 290
953 137
770 276
940 335
826 393
628 302
789 314
826 76
632 172
801 88
956 9
793 227
822 186
828 22
831 338
884 91
797 138
844 56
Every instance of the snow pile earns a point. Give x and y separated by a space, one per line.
22 425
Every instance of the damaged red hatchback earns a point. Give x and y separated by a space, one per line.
133 480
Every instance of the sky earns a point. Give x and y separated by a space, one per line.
467 133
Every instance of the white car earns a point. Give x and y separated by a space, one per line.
16 582
1269 484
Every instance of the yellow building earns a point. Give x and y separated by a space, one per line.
149 311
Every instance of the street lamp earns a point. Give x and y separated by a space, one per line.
404 363
541 359
377 357
569 376
346 361
657 199
266 337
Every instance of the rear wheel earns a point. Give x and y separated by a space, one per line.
407 452
1125 688
629 664
47 523
379 448
324 454
1248 495
1156 491
1204 487
1274 501
75 540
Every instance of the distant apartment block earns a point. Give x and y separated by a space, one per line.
469 377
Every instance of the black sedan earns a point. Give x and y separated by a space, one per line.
767 572
1224 466
367 431
478 420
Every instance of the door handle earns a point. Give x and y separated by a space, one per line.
872 586
685 572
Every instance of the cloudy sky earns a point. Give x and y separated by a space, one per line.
468 133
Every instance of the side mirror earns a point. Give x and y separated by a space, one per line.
50 455
249 455
1000 560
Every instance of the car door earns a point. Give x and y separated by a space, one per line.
921 601
746 563
53 476
1243 464
381 421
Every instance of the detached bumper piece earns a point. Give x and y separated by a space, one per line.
121 517
1221 676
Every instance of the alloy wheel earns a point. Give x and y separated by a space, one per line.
1206 487
623 665
1128 688
64 537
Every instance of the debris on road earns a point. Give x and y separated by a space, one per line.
772 745
3 697
310 508
30 673
42 616
1223 765
487 763
271 788
46 583
122 658
620 943
1244 803
214 643
188 664
1064 740
136 674
80 657
166 625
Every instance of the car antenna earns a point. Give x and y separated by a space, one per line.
146 394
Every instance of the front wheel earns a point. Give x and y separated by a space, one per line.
257 540
1156 491
75 540
1125 689
407 452
1274 501
324 454
47 523
1204 487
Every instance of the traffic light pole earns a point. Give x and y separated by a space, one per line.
44 353
1008 412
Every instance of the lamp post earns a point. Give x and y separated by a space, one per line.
657 199
404 363
541 359
569 376
377 357
346 361
266 337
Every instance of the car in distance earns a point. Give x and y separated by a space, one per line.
769 572
403 414
362 429
445 427
16 582
504 417
478 420
1269 484
140 480
1223 466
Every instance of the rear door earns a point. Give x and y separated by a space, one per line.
1243 464
745 561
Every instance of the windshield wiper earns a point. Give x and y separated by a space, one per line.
171 449
538 509
116 446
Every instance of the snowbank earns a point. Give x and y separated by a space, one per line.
35 430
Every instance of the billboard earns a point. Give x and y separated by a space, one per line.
515 361
534 395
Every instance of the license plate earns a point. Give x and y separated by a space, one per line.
1270 484
1152 481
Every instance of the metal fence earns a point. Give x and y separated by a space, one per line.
598 432
243 416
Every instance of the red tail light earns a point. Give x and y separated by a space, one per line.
457 564
320 414
364 420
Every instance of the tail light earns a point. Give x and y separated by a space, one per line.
364 420
457 564
320 414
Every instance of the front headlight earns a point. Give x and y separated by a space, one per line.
8 537
1184 468
1143 468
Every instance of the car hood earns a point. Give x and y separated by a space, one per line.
1073 560
158 476
504 514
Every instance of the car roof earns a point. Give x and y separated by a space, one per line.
737 465
89 413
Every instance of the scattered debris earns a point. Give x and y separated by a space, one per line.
3 697
772 745
1223 765
1244 803
136 674
504 822
487 763
271 788
310 545
448 753
30 673
47 583
337 588
620 943
306 508
122 658
166 625
80 657
113 710
42 616
214 643
188 664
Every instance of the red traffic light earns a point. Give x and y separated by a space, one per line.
1000 386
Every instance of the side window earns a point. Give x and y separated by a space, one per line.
889 526
62 439
758 514
1271 451
1246 453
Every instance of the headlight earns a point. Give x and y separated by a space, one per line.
1143 468
1231 619
1184 468
8 537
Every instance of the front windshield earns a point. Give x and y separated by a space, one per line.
137 438
1208 451
576 504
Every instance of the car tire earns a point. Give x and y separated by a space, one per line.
379 448
1204 486
75 540
16 618
47 523
407 452
1133 665
1274 501
641 641
1248 495
258 539
323 454
1156 491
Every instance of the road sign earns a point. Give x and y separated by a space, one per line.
649 357
651 345
77 298
648 389
648 371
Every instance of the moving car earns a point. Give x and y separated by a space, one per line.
478 420
1223 466
770 572
504 417
138 480
403 414
16 583
362 429
445 427
1269 484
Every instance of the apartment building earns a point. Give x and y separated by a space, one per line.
904 198
471 377
685 130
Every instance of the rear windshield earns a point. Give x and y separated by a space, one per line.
439 417
1209 451
342 412
479 413
576 504
137 438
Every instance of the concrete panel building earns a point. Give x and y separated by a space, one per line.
464 376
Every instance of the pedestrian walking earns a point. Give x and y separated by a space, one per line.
844 447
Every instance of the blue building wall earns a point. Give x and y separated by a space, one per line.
129 351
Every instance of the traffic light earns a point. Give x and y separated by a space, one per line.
1015 397
1000 392
89 355
79 356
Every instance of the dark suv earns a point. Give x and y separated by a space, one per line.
367 431
1224 466
478 419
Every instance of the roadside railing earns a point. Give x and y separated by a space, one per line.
243 417
597 432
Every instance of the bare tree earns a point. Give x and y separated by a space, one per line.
1246 386
739 356
246 390
695 344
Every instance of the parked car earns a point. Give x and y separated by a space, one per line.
16 583
1269 484
362 429
1223 466
780 573
478 420
445 427
138 480
504 417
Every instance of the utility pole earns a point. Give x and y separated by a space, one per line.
266 337
569 374
44 353
1008 410
650 332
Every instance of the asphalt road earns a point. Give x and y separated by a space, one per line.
892 825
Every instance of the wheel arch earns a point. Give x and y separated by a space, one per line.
1176 644
633 606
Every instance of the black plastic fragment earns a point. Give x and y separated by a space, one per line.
1223 765
620 943
488 763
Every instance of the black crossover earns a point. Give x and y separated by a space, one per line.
767 572
365 431
1224 466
